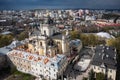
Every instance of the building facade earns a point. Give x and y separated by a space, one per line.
39 66
45 53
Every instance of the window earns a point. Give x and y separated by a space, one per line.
94 67
102 70
40 43
44 32
110 70
98 68
110 76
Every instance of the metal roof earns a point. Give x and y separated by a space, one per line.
105 55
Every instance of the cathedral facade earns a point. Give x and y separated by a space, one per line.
48 41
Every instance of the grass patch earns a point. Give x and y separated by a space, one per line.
17 75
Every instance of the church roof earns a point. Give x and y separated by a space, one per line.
42 60
57 36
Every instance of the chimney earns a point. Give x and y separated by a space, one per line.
102 56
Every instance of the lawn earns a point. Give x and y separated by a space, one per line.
17 75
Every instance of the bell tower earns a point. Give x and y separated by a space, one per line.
63 44
48 27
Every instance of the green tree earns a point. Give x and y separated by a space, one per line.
111 42
84 78
5 40
87 39
115 43
92 40
100 76
91 75
84 39
75 35
22 35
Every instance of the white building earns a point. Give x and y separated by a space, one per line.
39 66
104 61
104 35
45 55
48 30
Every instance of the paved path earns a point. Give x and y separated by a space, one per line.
84 74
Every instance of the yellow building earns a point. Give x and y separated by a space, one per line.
48 41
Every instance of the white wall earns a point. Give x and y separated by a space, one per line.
39 68
49 29
98 69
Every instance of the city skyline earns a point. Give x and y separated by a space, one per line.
58 4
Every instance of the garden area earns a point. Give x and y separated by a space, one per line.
13 74
20 76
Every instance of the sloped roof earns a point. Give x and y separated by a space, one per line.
105 55
104 34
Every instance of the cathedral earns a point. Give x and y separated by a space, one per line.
47 40
46 53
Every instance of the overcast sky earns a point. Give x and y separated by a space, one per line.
30 4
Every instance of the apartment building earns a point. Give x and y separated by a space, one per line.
39 66
104 61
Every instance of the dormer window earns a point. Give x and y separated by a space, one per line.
103 51
107 56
